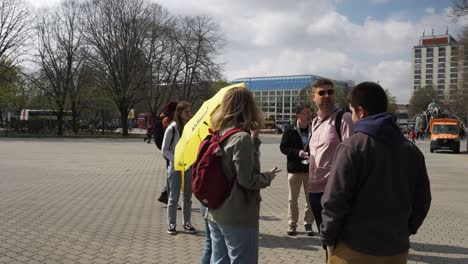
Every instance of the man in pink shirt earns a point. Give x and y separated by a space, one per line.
325 138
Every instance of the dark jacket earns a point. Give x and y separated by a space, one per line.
378 193
291 144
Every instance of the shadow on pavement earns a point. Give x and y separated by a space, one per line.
438 249
269 218
299 242
436 259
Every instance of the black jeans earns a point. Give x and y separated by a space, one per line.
314 200
316 206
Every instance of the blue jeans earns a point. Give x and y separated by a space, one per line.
233 244
205 258
174 182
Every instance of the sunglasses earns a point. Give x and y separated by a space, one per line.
329 92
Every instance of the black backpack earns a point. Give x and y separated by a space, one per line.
158 132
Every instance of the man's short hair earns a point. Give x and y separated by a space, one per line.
370 96
302 107
322 81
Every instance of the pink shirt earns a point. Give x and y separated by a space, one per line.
322 145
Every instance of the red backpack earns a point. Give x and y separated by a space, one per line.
209 184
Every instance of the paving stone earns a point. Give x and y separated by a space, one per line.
94 201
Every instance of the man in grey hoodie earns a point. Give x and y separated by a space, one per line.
378 193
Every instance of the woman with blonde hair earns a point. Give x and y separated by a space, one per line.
234 225
172 135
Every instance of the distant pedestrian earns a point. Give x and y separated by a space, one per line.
413 136
378 193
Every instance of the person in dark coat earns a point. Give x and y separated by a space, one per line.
295 145
378 193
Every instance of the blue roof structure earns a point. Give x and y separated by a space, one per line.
293 82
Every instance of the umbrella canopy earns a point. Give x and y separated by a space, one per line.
196 130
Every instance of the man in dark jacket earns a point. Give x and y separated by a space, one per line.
295 145
378 193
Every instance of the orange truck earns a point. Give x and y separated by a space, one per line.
445 134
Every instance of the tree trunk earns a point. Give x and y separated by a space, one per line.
102 121
124 120
74 116
60 123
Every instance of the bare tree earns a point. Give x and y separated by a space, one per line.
15 21
162 63
61 57
199 41
460 8
116 31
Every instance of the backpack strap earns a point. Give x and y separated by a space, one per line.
338 118
229 132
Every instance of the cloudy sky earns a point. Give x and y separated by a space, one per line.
359 40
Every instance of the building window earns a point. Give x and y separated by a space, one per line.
453 80
417 60
429 66
265 93
454 75
441 59
441 71
441 81
430 60
428 76
287 92
417 77
417 81
441 76
429 82
453 70
441 52
441 65
417 71
416 87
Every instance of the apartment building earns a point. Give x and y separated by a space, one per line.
435 63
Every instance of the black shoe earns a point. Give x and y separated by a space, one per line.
291 230
308 229
188 228
172 229
162 199
178 207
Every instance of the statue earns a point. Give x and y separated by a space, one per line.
432 110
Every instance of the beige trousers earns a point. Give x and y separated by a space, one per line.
295 182
343 254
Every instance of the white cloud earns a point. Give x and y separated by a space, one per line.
276 37
378 2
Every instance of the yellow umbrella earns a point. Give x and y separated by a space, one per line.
196 130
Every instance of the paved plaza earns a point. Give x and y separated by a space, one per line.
94 201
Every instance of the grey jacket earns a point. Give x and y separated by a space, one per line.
241 158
